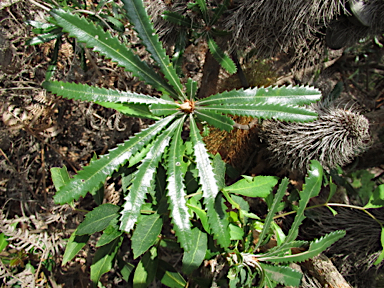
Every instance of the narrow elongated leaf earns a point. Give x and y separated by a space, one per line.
139 18
285 95
266 111
132 110
220 56
282 274
98 219
380 258
144 179
164 109
216 217
146 233
193 258
272 211
95 94
316 247
203 163
311 189
100 169
109 46
191 89
204 10
220 121
103 260
218 12
259 186
74 245
176 190
179 19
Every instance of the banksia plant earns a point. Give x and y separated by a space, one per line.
335 138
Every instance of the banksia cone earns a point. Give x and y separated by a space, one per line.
335 138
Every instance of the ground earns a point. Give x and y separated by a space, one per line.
39 131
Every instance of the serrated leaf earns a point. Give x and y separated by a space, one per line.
110 47
178 19
139 18
103 260
376 199
220 56
217 120
218 12
60 177
169 276
98 219
100 169
217 219
282 274
164 109
316 247
110 233
191 89
272 211
74 245
146 233
193 258
285 95
311 189
259 186
144 178
145 271
132 110
265 111
219 167
95 94
44 38
176 190
204 10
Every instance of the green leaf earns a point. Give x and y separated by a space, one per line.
316 247
236 232
44 38
109 234
132 110
179 19
146 233
146 270
220 121
60 177
282 274
376 199
220 56
203 10
169 276
103 260
285 95
95 94
98 219
110 47
164 109
144 178
191 89
381 256
259 186
202 215
125 268
193 258
176 190
139 18
218 12
216 216
74 245
272 211
311 189
3 241
100 169
219 167
265 111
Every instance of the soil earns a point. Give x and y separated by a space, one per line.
39 131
